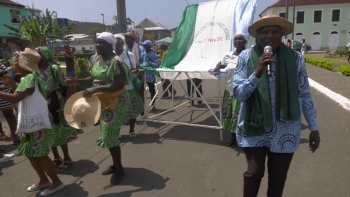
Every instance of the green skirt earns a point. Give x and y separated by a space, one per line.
112 120
63 133
136 106
37 145
230 112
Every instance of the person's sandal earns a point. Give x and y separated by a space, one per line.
109 170
189 104
34 187
15 139
132 135
117 177
57 162
64 166
4 137
46 192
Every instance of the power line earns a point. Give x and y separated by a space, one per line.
187 2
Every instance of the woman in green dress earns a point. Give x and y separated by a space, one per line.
35 146
231 107
109 76
136 106
62 132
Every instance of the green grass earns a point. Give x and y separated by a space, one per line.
337 60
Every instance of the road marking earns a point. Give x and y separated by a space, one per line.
338 98
9 156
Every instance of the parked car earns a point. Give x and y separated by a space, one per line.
297 46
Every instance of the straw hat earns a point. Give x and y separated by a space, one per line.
270 20
82 112
132 35
29 59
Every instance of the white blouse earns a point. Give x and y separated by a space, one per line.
230 61
131 62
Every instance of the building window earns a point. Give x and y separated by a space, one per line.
300 17
282 14
318 16
336 15
15 16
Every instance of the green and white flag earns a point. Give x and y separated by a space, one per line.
204 36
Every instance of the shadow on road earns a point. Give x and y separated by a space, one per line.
6 165
70 190
141 178
81 168
146 139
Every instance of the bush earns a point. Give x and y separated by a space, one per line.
345 70
82 68
320 63
328 50
341 52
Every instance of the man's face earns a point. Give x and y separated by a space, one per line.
6 63
164 47
270 36
67 48
119 47
147 47
129 41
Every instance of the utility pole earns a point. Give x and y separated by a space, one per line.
293 21
121 13
103 19
287 13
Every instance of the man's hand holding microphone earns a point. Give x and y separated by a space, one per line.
264 64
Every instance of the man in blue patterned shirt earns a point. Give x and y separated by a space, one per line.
269 124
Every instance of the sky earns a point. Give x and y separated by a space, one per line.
165 12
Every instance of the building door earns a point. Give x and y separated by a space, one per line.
316 41
348 40
299 37
333 40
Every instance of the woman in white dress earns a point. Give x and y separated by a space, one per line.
231 106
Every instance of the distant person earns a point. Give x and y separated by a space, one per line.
303 48
131 41
69 59
164 46
289 43
151 60
348 48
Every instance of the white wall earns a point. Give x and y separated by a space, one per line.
79 47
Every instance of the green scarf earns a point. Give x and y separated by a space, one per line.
258 114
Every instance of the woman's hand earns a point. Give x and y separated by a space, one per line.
89 92
217 67
7 80
72 81
136 70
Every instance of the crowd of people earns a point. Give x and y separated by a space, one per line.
261 111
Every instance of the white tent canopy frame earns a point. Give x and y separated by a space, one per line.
148 108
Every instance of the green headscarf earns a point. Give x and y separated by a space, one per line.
46 51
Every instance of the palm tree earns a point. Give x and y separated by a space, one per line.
39 29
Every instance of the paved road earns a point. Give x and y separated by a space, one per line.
188 161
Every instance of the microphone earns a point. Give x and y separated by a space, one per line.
268 49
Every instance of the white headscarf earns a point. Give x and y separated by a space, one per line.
241 34
108 37
122 38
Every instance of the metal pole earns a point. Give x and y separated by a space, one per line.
293 22
103 19
121 10
287 13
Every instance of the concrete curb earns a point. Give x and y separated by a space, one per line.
338 98
9 156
